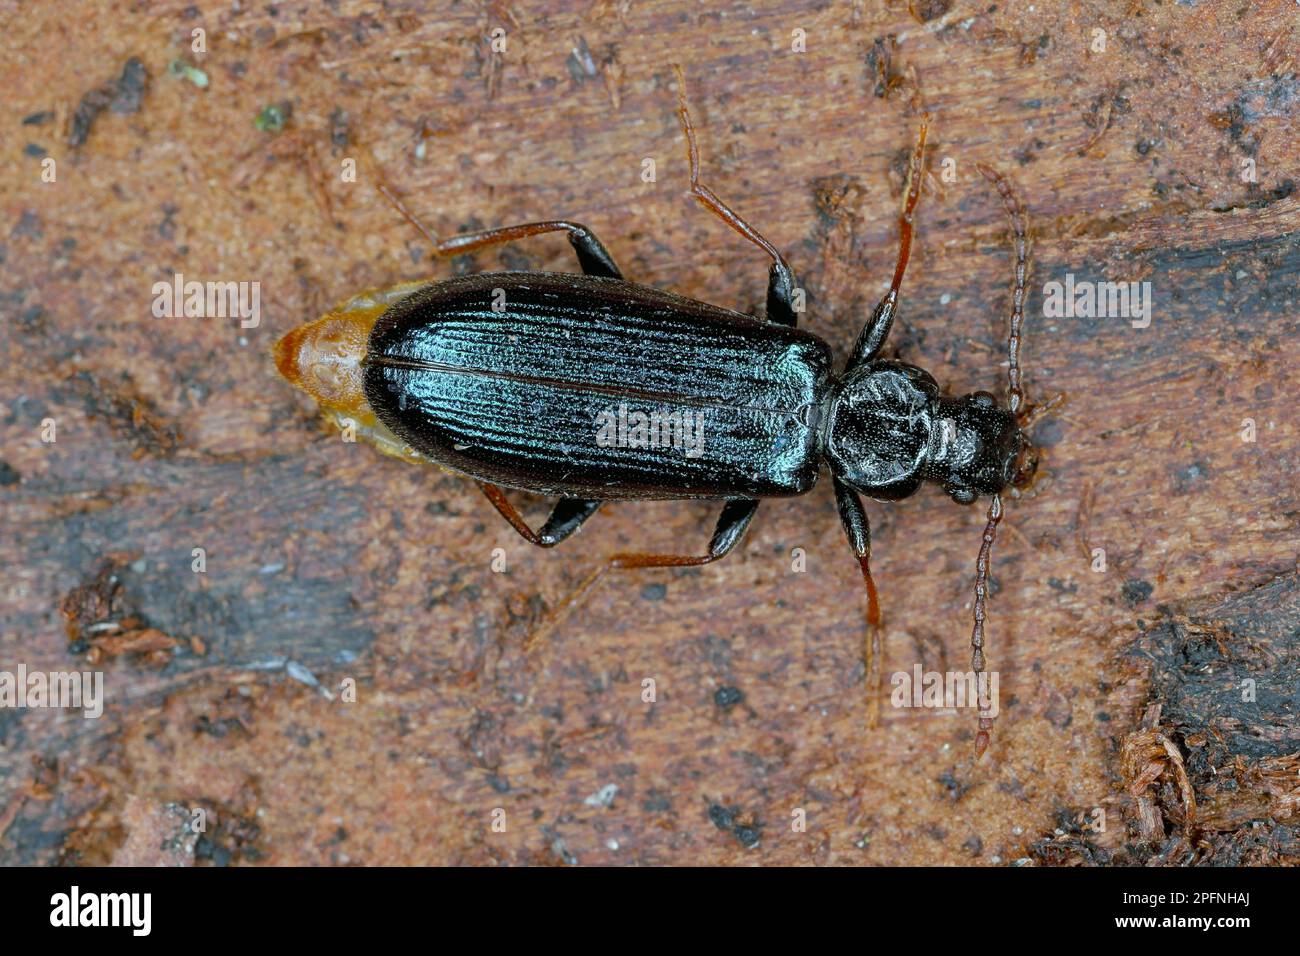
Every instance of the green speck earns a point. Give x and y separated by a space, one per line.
271 119
188 71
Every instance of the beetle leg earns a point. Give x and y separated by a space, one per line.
876 330
567 517
780 281
780 295
735 518
858 530
593 257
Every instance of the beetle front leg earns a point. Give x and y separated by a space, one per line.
593 257
735 518
858 530
567 517
876 330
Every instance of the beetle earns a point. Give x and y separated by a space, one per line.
504 377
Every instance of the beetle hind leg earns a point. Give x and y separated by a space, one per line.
593 257
732 523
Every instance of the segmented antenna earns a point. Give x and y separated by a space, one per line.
1020 234
1016 399
977 634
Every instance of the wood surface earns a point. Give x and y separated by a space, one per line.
1121 689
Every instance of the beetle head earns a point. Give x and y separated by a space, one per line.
974 447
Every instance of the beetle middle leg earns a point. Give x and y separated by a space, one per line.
567 517
732 523
780 280
876 330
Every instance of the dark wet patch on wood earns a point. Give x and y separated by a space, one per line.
1212 774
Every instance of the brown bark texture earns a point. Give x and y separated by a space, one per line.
1145 614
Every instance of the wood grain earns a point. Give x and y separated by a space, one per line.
326 561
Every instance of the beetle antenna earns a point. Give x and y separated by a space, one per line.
1016 400
1020 234
977 634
